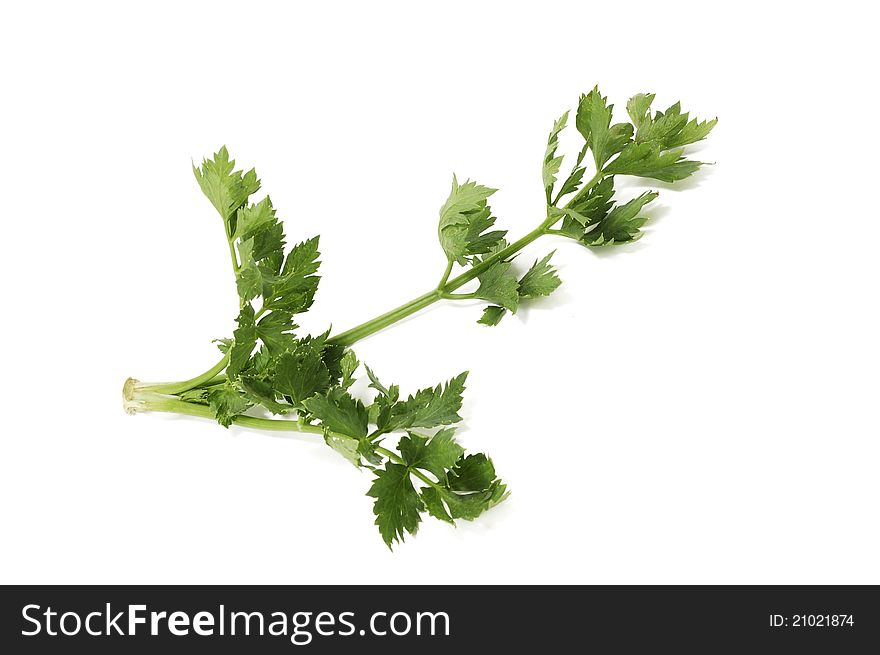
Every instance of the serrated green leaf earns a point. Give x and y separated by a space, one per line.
479 241
571 228
198 395
227 402
374 412
429 408
398 505
647 160
618 137
472 488
638 106
436 454
672 129
301 374
302 260
464 218
497 249
492 315
392 393
593 121
250 220
552 163
692 132
433 501
348 366
662 127
461 506
261 392
572 182
275 329
244 341
470 506
348 448
499 285
332 355
355 450
622 224
250 279
367 451
577 217
472 473
226 188
593 205
261 362
339 412
268 248
293 289
380 410
539 280
583 120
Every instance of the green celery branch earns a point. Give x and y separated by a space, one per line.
306 381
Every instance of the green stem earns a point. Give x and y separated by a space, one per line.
446 273
355 334
390 454
235 266
207 378
152 402
500 256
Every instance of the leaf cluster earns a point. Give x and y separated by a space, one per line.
273 369
648 145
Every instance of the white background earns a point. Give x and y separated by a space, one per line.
700 407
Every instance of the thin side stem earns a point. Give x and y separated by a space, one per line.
174 388
235 266
446 273
177 406
390 454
